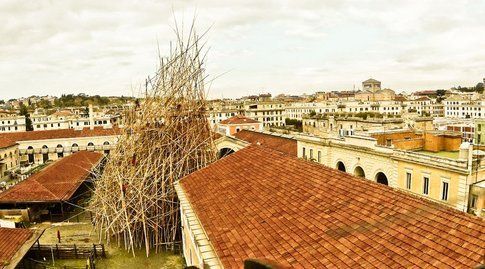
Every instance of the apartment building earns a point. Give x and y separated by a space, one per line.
9 161
12 123
73 119
298 110
458 106
268 112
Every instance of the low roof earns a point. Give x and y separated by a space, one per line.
14 244
6 142
57 182
278 143
423 98
62 113
260 203
238 119
63 133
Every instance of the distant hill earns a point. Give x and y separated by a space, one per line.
69 100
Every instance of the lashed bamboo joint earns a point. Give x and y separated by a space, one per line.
167 136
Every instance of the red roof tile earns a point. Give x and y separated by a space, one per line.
62 113
56 182
238 119
6 142
11 240
263 204
278 143
63 133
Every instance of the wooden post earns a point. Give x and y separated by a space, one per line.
57 250
75 251
62 211
102 249
94 248
38 248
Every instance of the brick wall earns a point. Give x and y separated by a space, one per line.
383 137
415 141
413 144
435 143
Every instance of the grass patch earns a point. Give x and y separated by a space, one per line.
83 233
445 154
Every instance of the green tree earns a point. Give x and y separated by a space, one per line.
28 121
440 95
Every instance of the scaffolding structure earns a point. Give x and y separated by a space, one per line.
167 136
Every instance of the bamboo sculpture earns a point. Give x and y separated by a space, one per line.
166 136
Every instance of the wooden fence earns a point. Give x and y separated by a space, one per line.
64 251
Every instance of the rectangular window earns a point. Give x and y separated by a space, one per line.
426 185
473 201
408 180
444 191
311 154
304 153
319 156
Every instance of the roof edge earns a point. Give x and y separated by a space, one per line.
22 251
209 256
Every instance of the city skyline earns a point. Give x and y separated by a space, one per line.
293 47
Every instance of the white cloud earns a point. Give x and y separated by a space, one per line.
108 47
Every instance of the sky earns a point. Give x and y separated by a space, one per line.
255 46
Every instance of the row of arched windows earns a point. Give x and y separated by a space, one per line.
359 172
75 145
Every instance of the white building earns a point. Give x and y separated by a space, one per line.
458 106
297 110
269 113
69 120
12 123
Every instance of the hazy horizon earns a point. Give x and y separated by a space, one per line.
291 47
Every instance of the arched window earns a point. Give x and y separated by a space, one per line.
75 145
225 151
381 178
59 146
45 147
341 166
359 172
106 143
90 144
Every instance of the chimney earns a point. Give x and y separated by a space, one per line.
466 149
91 117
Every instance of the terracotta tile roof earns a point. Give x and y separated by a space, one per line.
6 142
62 113
423 98
11 241
263 204
56 182
63 133
282 144
238 119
